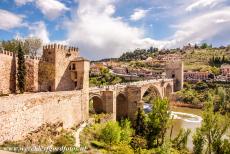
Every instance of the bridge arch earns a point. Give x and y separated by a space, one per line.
151 88
96 104
121 106
150 93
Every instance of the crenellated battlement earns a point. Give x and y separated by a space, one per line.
27 57
7 53
59 46
33 57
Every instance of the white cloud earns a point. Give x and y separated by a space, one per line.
138 14
22 2
221 20
98 33
202 4
202 28
50 8
39 30
10 20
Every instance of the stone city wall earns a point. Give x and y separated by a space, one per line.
32 74
7 72
21 114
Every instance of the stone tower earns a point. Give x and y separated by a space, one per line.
67 70
175 70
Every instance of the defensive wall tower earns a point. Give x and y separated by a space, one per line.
175 70
67 71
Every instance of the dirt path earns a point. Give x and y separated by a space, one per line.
77 135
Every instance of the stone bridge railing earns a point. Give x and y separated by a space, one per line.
123 85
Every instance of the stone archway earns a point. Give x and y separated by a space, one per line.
168 90
150 94
96 105
121 107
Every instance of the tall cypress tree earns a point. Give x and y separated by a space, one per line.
140 125
21 74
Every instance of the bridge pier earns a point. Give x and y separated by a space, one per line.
109 97
134 101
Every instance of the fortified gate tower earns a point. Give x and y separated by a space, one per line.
62 69
175 70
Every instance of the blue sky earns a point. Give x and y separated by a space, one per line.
107 28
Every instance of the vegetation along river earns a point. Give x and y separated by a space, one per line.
186 118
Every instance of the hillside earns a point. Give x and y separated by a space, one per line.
199 59
195 59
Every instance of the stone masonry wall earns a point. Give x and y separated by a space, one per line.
32 75
21 114
7 72
63 57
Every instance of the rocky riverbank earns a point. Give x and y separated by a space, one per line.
182 104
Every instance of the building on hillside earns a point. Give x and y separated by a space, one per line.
196 76
221 78
225 69
95 69
149 60
120 70
188 47
169 57
59 69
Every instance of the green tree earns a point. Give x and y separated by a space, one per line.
214 126
204 46
21 74
138 143
12 45
140 124
126 131
180 141
158 122
29 45
226 146
111 133
201 86
105 78
198 142
215 70
1 47
32 45
223 99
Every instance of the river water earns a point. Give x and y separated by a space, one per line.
186 118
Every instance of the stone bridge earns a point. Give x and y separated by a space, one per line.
123 100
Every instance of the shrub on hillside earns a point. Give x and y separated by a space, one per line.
111 133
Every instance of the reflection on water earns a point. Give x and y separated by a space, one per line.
185 118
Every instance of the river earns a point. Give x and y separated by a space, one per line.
186 118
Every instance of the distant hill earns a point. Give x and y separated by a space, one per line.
197 58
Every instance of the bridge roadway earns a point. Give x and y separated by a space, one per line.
124 85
